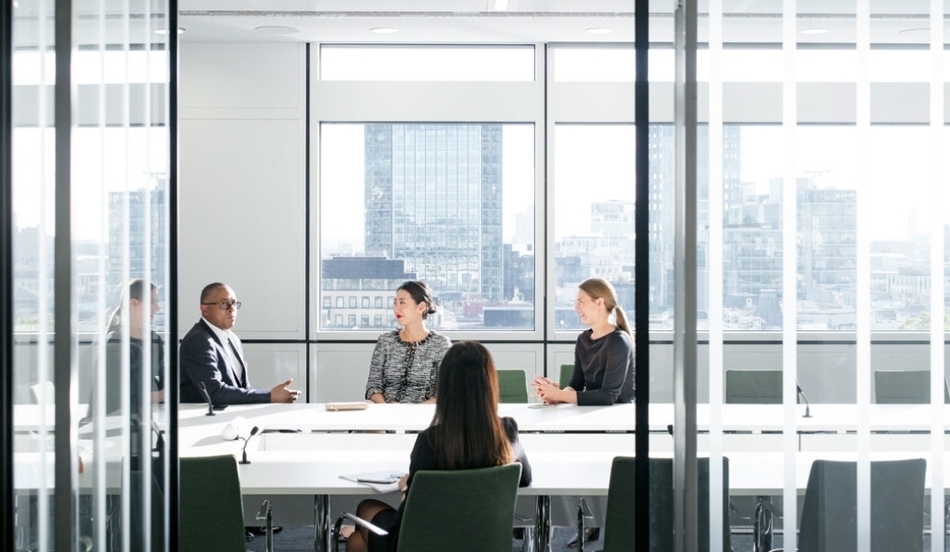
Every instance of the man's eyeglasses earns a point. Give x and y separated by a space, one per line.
226 305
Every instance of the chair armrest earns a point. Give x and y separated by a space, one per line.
359 521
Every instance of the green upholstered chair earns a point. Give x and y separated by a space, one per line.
211 511
829 511
512 386
619 526
904 387
753 386
567 370
460 510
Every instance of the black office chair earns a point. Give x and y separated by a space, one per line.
619 527
753 386
829 512
905 387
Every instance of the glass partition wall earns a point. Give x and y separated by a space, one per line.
90 256
823 263
822 239
821 231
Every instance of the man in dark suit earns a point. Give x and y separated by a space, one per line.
212 354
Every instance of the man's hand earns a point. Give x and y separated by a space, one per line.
282 393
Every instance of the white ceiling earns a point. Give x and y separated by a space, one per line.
520 21
479 21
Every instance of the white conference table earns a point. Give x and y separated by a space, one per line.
34 417
570 448
416 417
533 417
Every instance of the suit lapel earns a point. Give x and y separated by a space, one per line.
234 371
241 368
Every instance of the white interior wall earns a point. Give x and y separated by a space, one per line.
242 183
242 195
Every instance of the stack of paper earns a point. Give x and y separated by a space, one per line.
381 482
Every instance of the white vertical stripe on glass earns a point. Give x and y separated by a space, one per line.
128 408
100 380
863 276
714 261
44 277
937 264
789 271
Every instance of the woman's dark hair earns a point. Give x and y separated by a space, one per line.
420 294
467 432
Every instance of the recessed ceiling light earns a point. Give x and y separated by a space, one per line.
813 31
277 29
181 30
384 30
501 5
917 31
599 30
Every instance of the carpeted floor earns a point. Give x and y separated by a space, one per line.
300 539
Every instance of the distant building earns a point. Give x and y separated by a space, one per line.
434 199
358 292
827 244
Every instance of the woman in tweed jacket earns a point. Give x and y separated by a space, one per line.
406 361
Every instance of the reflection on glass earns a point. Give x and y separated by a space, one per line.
827 221
118 167
118 206
449 204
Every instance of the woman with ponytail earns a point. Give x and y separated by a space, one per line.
604 364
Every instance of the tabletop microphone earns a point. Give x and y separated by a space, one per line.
244 459
204 392
807 406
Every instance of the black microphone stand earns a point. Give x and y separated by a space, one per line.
244 459
204 392
807 405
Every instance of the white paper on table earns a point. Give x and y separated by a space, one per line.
380 481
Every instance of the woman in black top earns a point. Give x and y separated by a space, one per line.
466 433
604 364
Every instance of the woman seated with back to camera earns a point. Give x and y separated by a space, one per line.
604 364
466 433
404 364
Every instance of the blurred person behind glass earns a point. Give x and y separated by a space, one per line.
137 303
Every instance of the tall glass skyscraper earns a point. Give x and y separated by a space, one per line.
434 199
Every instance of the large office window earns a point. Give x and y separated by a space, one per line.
450 204
593 213
503 63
